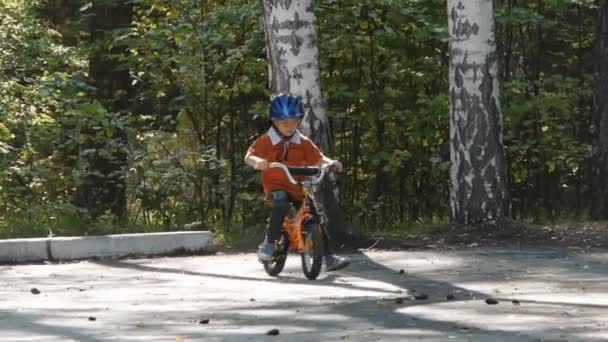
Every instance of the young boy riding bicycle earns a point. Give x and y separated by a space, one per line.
284 143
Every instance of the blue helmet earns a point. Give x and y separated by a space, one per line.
285 106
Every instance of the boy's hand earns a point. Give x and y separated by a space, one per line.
261 164
337 166
256 162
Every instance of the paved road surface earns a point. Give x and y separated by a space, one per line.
562 296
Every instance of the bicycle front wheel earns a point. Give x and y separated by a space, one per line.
312 255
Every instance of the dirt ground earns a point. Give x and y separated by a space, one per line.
506 233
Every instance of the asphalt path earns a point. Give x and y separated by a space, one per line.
481 294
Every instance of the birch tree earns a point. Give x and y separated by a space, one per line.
292 50
293 62
477 172
599 188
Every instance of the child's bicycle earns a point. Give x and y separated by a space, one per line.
303 232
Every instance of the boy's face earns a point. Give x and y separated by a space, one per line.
286 127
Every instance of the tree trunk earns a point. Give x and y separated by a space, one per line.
599 207
66 18
380 187
103 188
293 66
477 172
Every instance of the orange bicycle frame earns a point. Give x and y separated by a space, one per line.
293 226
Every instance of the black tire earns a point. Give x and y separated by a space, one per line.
312 259
275 267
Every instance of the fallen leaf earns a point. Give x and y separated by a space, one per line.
421 297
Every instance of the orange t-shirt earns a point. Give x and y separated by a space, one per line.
299 151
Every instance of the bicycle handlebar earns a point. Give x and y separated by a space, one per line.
305 171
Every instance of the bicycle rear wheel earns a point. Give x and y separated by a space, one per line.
276 265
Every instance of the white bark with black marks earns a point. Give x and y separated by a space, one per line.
477 173
293 62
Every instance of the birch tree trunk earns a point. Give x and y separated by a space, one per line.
293 62
293 67
477 173
599 206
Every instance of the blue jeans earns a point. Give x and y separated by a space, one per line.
280 205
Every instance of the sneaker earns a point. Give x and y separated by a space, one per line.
335 263
265 251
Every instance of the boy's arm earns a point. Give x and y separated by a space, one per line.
255 161
335 164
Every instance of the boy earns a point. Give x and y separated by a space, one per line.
284 143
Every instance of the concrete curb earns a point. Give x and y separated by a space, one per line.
120 245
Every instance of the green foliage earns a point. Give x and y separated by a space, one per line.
198 96
30 116
547 98
384 69
201 72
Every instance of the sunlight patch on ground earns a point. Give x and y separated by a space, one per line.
415 262
528 317
595 257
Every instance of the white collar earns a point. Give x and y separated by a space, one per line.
275 138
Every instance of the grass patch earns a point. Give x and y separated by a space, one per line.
239 236
67 220
401 230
